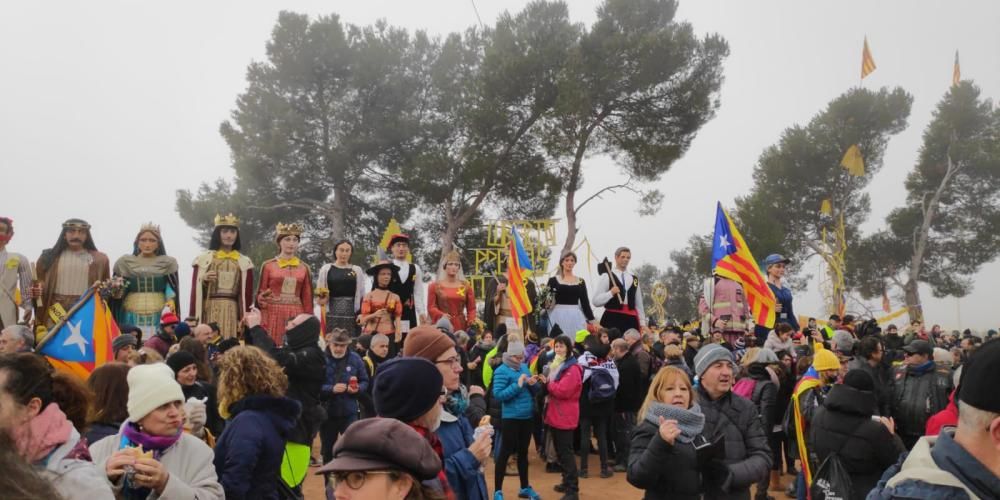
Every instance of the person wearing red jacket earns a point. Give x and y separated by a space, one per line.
946 418
562 413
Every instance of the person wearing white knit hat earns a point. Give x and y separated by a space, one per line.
151 456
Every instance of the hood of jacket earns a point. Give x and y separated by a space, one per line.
281 411
847 399
304 335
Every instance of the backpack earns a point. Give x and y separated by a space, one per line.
602 386
745 388
831 481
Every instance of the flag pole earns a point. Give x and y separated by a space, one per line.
58 326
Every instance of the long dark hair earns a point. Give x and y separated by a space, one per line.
61 245
160 249
30 376
109 385
341 242
216 242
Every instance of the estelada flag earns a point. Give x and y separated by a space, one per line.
732 259
82 341
517 262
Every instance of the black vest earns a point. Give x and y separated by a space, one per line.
405 290
614 303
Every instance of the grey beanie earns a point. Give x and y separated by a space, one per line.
710 354
767 356
515 349
443 324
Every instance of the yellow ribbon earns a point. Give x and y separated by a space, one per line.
293 262
231 255
461 291
12 263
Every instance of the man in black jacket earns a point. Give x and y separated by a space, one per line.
734 421
304 364
920 391
871 360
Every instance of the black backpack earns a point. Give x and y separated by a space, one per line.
831 481
602 385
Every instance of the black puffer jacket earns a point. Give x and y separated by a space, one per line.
305 366
662 470
765 396
844 425
748 457
631 387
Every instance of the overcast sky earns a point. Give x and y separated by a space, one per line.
107 108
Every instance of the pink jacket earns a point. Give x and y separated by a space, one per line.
563 410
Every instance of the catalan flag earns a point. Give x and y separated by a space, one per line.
82 342
808 382
732 259
956 72
517 262
867 61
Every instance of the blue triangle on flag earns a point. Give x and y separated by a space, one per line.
75 339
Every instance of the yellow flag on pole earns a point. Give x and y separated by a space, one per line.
956 73
390 230
825 208
867 61
853 161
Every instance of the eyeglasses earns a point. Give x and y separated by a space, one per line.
454 361
354 479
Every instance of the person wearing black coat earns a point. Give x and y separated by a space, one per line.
764 397
628 398
844 425
304 364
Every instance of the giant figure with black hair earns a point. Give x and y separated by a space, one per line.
150 282
66 271
222 281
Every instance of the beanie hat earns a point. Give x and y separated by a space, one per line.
179 360
708 355
169 318
978 376
149 387
860 380
825 360
182 330
406 388
122 341
443 324
515 349
426 342
767 356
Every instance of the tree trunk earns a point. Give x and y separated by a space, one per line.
912 291
337 214
570 221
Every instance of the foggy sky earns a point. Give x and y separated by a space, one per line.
107 108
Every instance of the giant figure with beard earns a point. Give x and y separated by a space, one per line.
222 281
66 271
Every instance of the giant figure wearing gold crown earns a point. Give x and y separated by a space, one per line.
66 271
285 284
222 281
147 279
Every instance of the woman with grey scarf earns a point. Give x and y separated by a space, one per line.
663 459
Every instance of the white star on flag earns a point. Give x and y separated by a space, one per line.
723 241
75 337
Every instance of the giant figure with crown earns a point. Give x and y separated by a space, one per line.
285 283
222 281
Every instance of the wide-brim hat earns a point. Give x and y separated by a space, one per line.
373 271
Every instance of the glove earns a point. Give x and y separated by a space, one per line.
195 416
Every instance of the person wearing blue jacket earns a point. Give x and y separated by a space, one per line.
346 378
513 385
260 418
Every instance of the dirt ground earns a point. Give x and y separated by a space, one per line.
613 488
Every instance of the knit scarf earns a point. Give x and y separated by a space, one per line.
158 444
513 365
557 362
44 433
457 402
435 443
690 421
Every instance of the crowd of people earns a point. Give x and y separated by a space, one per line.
411 395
